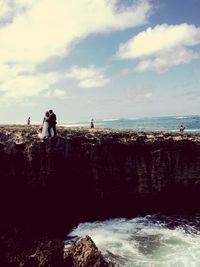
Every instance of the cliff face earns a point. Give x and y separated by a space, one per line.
95 174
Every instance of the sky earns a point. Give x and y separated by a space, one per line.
101 59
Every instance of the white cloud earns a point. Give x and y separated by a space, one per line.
160 38
88 77
21 85
163 61
25 3
4 8
32 31
10 71
57 93
48 27
148 95
9 9
161 47
20 81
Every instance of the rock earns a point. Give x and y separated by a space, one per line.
84 253
141 138
49 253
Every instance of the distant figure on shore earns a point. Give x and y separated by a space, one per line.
43 129
29 121
92 123
52 123
182 128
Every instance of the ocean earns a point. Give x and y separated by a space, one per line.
168 123
150 241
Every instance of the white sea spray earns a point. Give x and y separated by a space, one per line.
146 241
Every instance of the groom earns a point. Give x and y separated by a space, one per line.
52 122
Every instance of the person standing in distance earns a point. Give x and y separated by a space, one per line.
182 128
29 121
92 123
52 123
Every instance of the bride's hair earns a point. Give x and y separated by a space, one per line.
47 113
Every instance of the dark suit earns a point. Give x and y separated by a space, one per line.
52 123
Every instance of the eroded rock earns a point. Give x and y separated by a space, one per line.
84 253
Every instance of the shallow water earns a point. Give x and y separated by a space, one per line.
151 241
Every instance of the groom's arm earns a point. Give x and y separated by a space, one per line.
55 118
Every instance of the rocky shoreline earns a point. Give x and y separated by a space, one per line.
49 186
21 250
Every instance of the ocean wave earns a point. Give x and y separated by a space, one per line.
192 130
133 119
110 120
182 117
146 241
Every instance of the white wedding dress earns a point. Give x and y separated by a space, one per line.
45 132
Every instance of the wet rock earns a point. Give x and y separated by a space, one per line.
84 253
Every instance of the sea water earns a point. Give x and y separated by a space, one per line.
168 123
150 241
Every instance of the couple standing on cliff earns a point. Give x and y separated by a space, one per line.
48 128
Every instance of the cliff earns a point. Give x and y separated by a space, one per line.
48 186
88 174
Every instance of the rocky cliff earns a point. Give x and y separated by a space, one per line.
84 174
47 186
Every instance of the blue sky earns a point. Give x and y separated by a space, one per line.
99 59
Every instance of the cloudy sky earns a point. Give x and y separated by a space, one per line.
99 58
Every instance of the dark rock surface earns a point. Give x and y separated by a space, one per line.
89 174
50 252
100 172
84 253
19 247
47 253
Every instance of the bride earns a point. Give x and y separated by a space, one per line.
43 130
